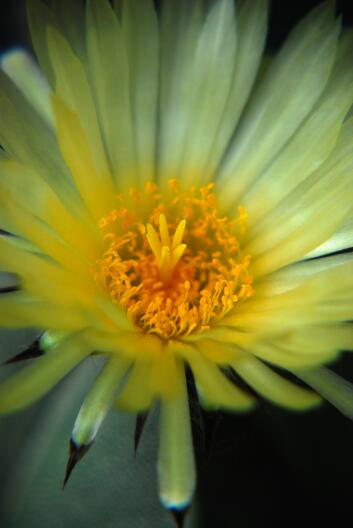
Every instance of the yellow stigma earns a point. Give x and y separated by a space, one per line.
167 252
172 261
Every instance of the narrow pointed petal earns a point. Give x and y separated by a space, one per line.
40 17
274 387
137 394
111 85
98 402
24 72
140 32
73 90
340 240
214 389
303 65
336 390
95 190
20 309
26 137
251 25
176 465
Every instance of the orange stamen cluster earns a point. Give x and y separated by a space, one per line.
171 261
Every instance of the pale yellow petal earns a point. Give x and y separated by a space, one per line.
214 389
18 310
27 138
96 192
313 297
211 79
110 78
43 278
141 36
341 239
293 83
21 187
22 69
181 25
73 89
295 275
251 26
137 394
40 17
336 390
43 239
309 215
70 17
155 376
176 465
314 139
98 401
274 387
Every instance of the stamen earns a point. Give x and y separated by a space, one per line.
169 287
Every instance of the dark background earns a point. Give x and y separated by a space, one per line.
284 14
270 468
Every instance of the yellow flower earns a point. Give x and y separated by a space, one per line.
177 204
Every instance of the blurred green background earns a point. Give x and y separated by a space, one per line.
108 488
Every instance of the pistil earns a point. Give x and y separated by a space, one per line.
167 252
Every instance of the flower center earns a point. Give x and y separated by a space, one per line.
172 261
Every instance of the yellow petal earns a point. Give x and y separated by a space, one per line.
301 221
111 83
98 401
73 90
21 310
27 190
44 278
141 36
314 139
215 390
336 390
302 66
95 190
137 394
24 72
251 22
176 465
274 387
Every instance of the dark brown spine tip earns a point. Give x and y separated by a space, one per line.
179 515
141 419
75 454
9 289
5 233
33 351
